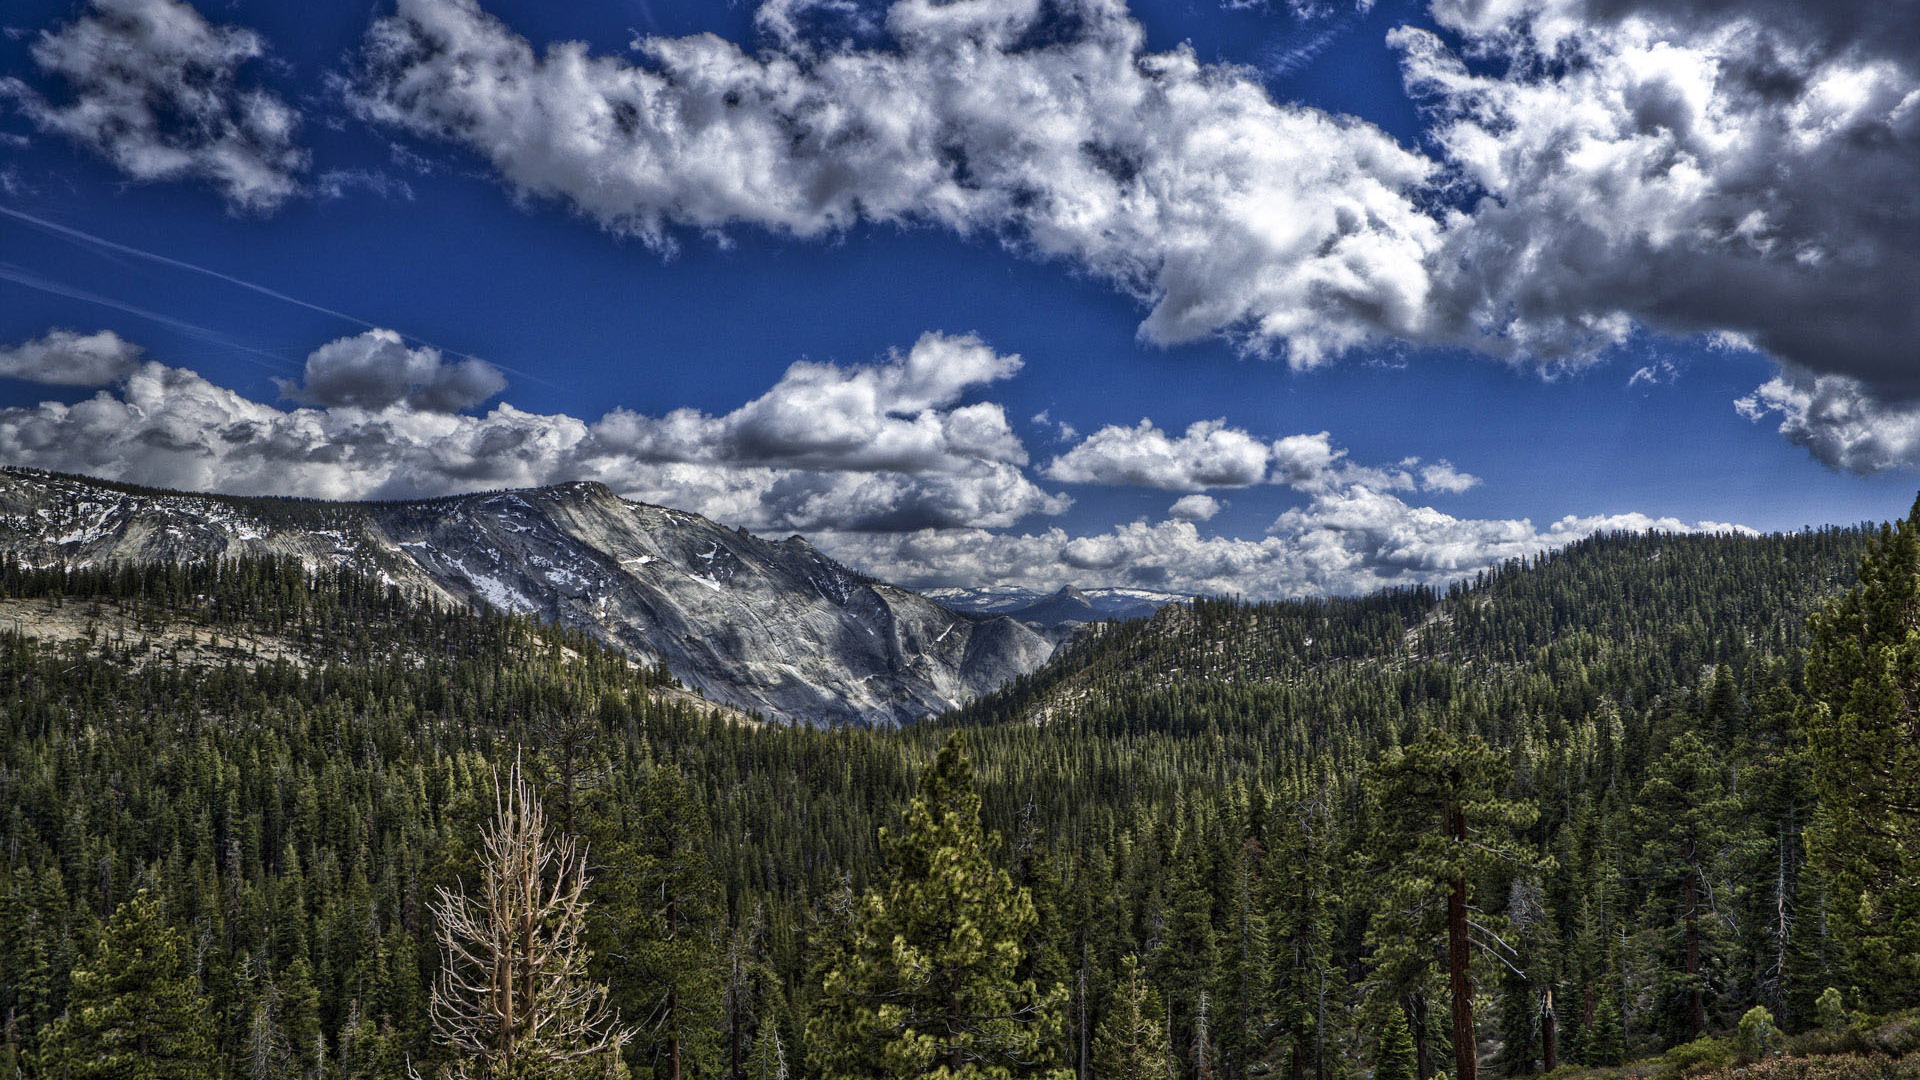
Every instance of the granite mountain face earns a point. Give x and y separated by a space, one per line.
775 627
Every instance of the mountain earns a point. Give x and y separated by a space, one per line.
1068 605
774 627
290 765
1626 618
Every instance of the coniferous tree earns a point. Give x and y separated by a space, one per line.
1863 735
514 1000
1302 914
930 985
135 1012
658 932
1131 1041
1443 821
1607 1043
1392 1046
1685 821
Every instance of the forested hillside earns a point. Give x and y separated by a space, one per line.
1590 807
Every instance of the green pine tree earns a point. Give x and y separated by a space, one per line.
1393 1046
929 986
656 931
135 1011
1131 1041
1607 1041
1862 726
1683 819
1442 821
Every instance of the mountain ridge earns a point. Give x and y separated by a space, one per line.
1603 607
772 627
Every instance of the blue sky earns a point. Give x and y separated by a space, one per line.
1609 399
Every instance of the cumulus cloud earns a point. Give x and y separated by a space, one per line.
1697 168
1212 455
882 446
1442 476
1839 421
890 465
1209 455
901 416
66 358
1195 508
376 369
1340 543
1045 124
1832 27
1600 168
155 90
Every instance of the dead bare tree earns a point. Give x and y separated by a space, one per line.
514 998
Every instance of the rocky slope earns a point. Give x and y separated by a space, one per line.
771 626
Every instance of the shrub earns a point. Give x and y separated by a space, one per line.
1758 1036
1701 1055
1897 1035
1830 1010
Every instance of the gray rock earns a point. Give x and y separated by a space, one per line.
774 627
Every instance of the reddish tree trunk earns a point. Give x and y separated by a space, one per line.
673 1044
1465 1054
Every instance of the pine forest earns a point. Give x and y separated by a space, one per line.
1648 806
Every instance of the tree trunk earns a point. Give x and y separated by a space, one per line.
1782 926
1422 1053
1549 1033
956 1021
1696 1000
673 1040
1083 1012
1320 1027
1465 1054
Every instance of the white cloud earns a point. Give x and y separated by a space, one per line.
903 415
882 446
1209 455
1740 170
1047 125
1654 374
1195 508
1838 421
155 91
887 464
66 358
1345 542
1733 169
1212 455
376 369
1442 476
